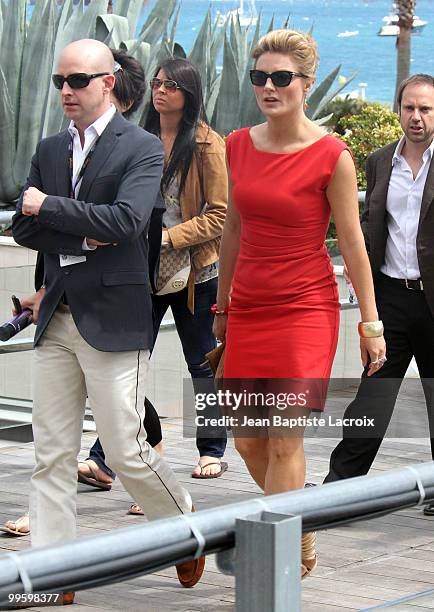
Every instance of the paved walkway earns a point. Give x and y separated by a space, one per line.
361 565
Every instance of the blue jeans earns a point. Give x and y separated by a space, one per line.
197 339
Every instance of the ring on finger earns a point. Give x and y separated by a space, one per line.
379 361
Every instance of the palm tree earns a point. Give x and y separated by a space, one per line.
406 10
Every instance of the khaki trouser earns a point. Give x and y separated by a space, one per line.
66 368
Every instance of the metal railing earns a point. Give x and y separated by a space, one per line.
6 216
236 532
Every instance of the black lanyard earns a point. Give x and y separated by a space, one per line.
83 166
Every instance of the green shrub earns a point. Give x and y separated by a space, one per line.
341 107
372 128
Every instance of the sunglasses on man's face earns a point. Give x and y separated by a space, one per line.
280 78
78 80
169 84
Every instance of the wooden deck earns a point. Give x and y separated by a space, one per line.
361 566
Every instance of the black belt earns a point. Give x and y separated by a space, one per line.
413 285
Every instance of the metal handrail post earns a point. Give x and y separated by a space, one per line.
267 563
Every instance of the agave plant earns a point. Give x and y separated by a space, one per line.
229 99
29 106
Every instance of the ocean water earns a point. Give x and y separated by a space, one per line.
372 57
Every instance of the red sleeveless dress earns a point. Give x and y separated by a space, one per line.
284 313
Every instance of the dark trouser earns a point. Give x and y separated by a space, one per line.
409 331
197 339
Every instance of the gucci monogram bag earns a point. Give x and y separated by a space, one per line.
175 268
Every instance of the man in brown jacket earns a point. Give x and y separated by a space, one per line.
398 224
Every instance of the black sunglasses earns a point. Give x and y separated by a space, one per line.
280 78
78 80
169 84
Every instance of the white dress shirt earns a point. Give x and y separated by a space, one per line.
404 199
91 133
79 155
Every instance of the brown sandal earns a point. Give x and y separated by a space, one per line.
223 468
92 480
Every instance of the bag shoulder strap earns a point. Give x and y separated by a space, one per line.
199 160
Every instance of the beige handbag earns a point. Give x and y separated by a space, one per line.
175 264
175 268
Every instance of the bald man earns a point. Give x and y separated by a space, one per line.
86 207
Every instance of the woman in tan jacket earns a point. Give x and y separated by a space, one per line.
195 192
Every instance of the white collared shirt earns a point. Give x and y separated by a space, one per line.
79 154
90 135
404 199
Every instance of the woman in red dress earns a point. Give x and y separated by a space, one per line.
277 302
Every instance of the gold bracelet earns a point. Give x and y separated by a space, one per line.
370 329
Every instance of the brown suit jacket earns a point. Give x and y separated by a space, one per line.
374 218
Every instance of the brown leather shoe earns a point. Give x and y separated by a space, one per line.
68 598
190 572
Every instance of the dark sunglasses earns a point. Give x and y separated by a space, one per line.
78 80
280 78
169 84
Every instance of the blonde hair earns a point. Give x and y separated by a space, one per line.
299 45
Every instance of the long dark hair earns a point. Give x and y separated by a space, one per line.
188 78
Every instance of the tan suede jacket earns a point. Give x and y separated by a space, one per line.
203 214
203 204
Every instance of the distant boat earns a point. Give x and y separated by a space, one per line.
348 33
391 27
246 19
